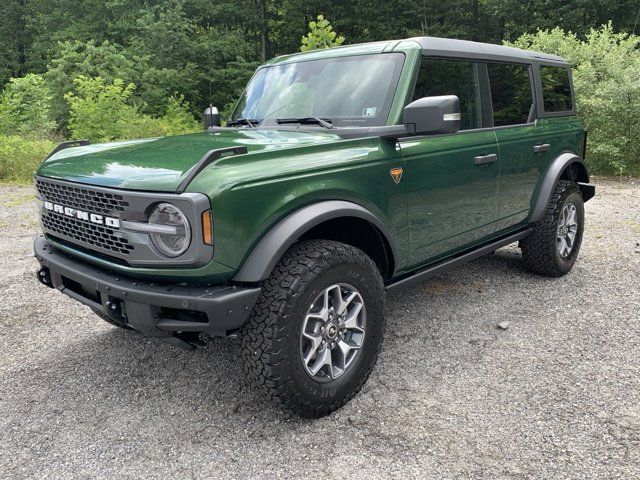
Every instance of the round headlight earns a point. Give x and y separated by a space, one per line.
177 236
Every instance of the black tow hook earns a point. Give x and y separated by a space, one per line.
45 277
114 311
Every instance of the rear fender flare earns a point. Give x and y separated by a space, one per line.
270 248
551 177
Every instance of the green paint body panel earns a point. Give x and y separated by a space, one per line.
160 164
451 201
444 202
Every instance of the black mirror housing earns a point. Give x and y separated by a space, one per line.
433 115
211 117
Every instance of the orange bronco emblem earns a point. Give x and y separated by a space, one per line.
396 174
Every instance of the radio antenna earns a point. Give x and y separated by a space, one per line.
209 61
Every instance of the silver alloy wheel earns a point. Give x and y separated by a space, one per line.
332 332
567 230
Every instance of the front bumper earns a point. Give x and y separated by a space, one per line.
158 310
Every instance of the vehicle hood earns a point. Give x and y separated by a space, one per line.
160 164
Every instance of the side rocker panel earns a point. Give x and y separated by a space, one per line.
276 242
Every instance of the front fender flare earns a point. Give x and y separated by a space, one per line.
268 251
552 176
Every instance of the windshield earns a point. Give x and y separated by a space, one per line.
347 91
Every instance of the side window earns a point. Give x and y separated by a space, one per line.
510 93
556 89
452 77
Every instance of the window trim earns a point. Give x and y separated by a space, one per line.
486 100
542 113
482 78
485 91
532 86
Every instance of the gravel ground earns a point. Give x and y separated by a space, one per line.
555 395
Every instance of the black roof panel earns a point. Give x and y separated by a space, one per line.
485 51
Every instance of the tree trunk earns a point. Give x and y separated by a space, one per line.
264 31
20 69
475 21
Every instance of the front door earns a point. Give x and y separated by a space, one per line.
452 179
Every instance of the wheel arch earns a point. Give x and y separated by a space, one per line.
317 221
566 166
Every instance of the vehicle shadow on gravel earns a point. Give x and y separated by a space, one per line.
110 369
134 364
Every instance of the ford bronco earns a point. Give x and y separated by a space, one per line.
340 175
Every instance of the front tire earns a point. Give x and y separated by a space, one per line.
552 247
316 330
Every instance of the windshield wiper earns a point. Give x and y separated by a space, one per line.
325 122
250 122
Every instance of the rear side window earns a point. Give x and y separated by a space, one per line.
452 77
510 93
556 89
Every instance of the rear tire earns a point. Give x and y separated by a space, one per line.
552 247
320 291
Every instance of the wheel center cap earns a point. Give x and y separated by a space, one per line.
332 330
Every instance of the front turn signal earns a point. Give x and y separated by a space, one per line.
207 228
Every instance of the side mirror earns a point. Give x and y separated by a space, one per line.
211 117
431 115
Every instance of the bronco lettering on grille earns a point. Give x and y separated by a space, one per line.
82 215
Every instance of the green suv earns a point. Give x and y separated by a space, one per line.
341 174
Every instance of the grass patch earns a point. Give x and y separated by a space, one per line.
19 199
19 157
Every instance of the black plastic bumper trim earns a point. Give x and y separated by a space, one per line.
226 307
587 190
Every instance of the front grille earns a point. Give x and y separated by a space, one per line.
81 198
91 219
85 232
97 237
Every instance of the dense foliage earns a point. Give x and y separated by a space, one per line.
129 68
101 112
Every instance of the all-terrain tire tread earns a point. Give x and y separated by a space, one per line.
538 248
264 336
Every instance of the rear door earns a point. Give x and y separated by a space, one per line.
557 114
452 179
521 142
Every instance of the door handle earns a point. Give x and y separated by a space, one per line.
541 147
484 159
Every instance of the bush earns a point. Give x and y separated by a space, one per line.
25 107
101 112
605 76
96 108
19 157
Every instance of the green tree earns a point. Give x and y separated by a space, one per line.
25 107
321 35
87 59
